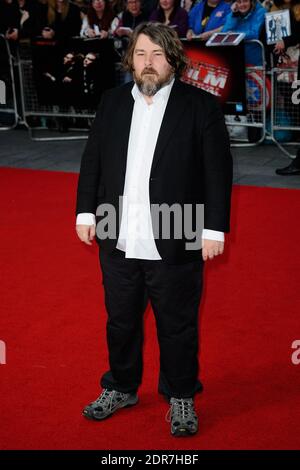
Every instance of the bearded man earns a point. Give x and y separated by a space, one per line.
154 141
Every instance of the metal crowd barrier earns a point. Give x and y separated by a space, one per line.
256 99
46 116
8 97
285 115
275 98
255 118
33 111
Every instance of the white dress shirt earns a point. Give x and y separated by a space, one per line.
136 237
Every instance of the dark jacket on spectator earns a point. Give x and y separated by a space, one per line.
9 16
27 28
148 6
178 18
130 21
294 39
64 28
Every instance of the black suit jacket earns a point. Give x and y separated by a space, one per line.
192 162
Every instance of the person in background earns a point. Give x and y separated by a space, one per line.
207 18
188 5
122 28
294 167
267 4
148 6
124 24
91 88
169 12
70 78
10 17
248 17
27 10
117 6
294 7
59 19
98 20
276 5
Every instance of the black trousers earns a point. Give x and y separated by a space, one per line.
174 292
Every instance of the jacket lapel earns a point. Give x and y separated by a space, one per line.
123 118
174 109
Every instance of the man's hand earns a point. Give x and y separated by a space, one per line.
211 248
90 33
123 31
190 34
205 36
86 233
103 34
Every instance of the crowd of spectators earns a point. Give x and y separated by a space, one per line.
61 19
58 21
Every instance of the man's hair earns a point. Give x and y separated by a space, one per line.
163 36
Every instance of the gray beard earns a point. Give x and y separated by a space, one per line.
151 87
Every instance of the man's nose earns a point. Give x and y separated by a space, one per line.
148 61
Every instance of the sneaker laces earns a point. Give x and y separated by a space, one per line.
181 408
108 398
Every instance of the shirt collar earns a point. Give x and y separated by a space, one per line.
163 93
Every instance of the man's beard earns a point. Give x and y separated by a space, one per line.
149 85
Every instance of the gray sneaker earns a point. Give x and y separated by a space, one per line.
108 402
182 416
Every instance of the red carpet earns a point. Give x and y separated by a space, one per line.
53 324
